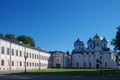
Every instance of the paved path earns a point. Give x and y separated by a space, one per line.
6 75
11 71
45 77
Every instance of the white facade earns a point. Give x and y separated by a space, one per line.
12 56
60 59
96 55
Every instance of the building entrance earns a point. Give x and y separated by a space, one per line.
97 66
57 65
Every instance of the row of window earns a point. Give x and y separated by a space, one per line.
20 63
8 51
89 56
19 53
77 64
36 64
35 56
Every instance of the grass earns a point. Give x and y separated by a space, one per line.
74 72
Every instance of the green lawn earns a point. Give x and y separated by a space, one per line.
74 72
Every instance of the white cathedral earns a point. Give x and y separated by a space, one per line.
96 55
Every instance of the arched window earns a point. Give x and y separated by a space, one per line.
105 64
84 64
90 45
97 44
104 45
89 64
77 64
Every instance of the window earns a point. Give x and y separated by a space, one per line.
90 64
33 56
105 64
2 50
8 51
27 63
84 64
100 57
77 64
16 52
12 51
20 63
2 62
20 53
90 45
12 63
32 64
27 54
104 45
97 44
30 55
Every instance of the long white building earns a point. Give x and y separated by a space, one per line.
96 55
12 56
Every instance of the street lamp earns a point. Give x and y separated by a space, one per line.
39 65
39 60
25 56
101 65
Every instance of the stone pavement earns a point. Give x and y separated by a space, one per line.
10 71
6 75
46 77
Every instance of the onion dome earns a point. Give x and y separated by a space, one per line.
105 40
77 42
97 37
89 41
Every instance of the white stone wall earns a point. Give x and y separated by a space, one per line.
37 59
90 60
57 59
60 58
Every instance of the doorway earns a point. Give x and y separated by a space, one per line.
97 66
57 65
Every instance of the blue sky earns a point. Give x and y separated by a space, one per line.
56 24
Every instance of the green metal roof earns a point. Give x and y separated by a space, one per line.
97 37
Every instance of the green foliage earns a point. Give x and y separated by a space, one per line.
116 40
26 40
10 36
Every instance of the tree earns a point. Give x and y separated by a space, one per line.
26 40
116 41
1 35
10 36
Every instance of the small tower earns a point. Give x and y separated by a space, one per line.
104 43
90 44
97 42
97 39
78 45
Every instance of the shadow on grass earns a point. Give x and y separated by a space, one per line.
63 73
111 72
